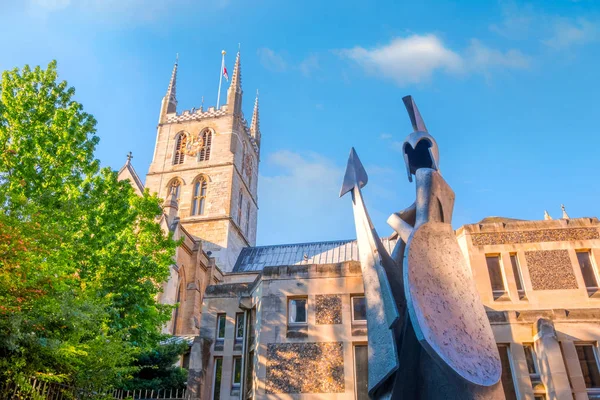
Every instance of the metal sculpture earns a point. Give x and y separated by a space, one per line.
429 337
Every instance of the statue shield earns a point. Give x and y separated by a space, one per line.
445 309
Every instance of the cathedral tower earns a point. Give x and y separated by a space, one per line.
209 158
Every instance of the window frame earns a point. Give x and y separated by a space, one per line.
214 378
354 320
535 376
238 325
178 154
518 273
239 211
247 228
234 384
354 346
289 316
595 352
496 293
224 316
175 182
511 365
594 268
199 193
205 150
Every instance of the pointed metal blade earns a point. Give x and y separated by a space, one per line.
415 116
355 174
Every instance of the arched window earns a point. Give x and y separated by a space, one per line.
199 196
174 186
204 154
180 143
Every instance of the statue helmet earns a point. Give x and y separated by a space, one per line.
420 149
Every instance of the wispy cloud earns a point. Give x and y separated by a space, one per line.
271 60
309 65
416 58
568 33
385 136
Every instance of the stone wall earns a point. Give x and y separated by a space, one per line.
328 309
534 236
305 367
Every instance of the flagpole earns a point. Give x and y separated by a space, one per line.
221 77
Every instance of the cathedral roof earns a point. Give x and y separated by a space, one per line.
256 258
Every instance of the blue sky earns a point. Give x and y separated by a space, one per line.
508 89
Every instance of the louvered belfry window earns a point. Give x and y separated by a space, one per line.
199 196
204 154
179 156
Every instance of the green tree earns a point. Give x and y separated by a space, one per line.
82 257
157 370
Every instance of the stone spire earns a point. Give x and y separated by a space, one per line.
547 216
169 102
564 212
234 93
255 124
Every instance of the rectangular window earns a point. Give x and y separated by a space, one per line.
359 308
514 262
532 363
297 310
217 378
496 277
587 269
247 218
507 378
239 326
588 359
221 319
239 214
237 371
361 372
249 375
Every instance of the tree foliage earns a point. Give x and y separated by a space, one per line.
82 257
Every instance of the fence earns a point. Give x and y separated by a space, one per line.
37 390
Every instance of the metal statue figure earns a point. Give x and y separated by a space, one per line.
429 336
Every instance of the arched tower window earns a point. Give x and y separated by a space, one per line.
204 154
199 195
174 186
180 143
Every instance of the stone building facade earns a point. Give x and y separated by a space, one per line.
288 321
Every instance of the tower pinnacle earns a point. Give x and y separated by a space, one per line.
234 93
255 124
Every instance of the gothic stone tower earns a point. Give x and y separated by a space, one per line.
210 159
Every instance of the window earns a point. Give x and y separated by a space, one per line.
199 196
204 153
361 372
587 269
176 312
507 379
297 311
359 308
249 374
588 359
174 186
247 218
532 363
496 278
239 326
237 371
239 211
185 361
180 143
514 262
218 378
221 318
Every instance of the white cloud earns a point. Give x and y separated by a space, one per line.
271 60
567 33
407 60
415 59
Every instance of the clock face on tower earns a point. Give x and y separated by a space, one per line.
193 143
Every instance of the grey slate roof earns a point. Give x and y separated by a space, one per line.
256 258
